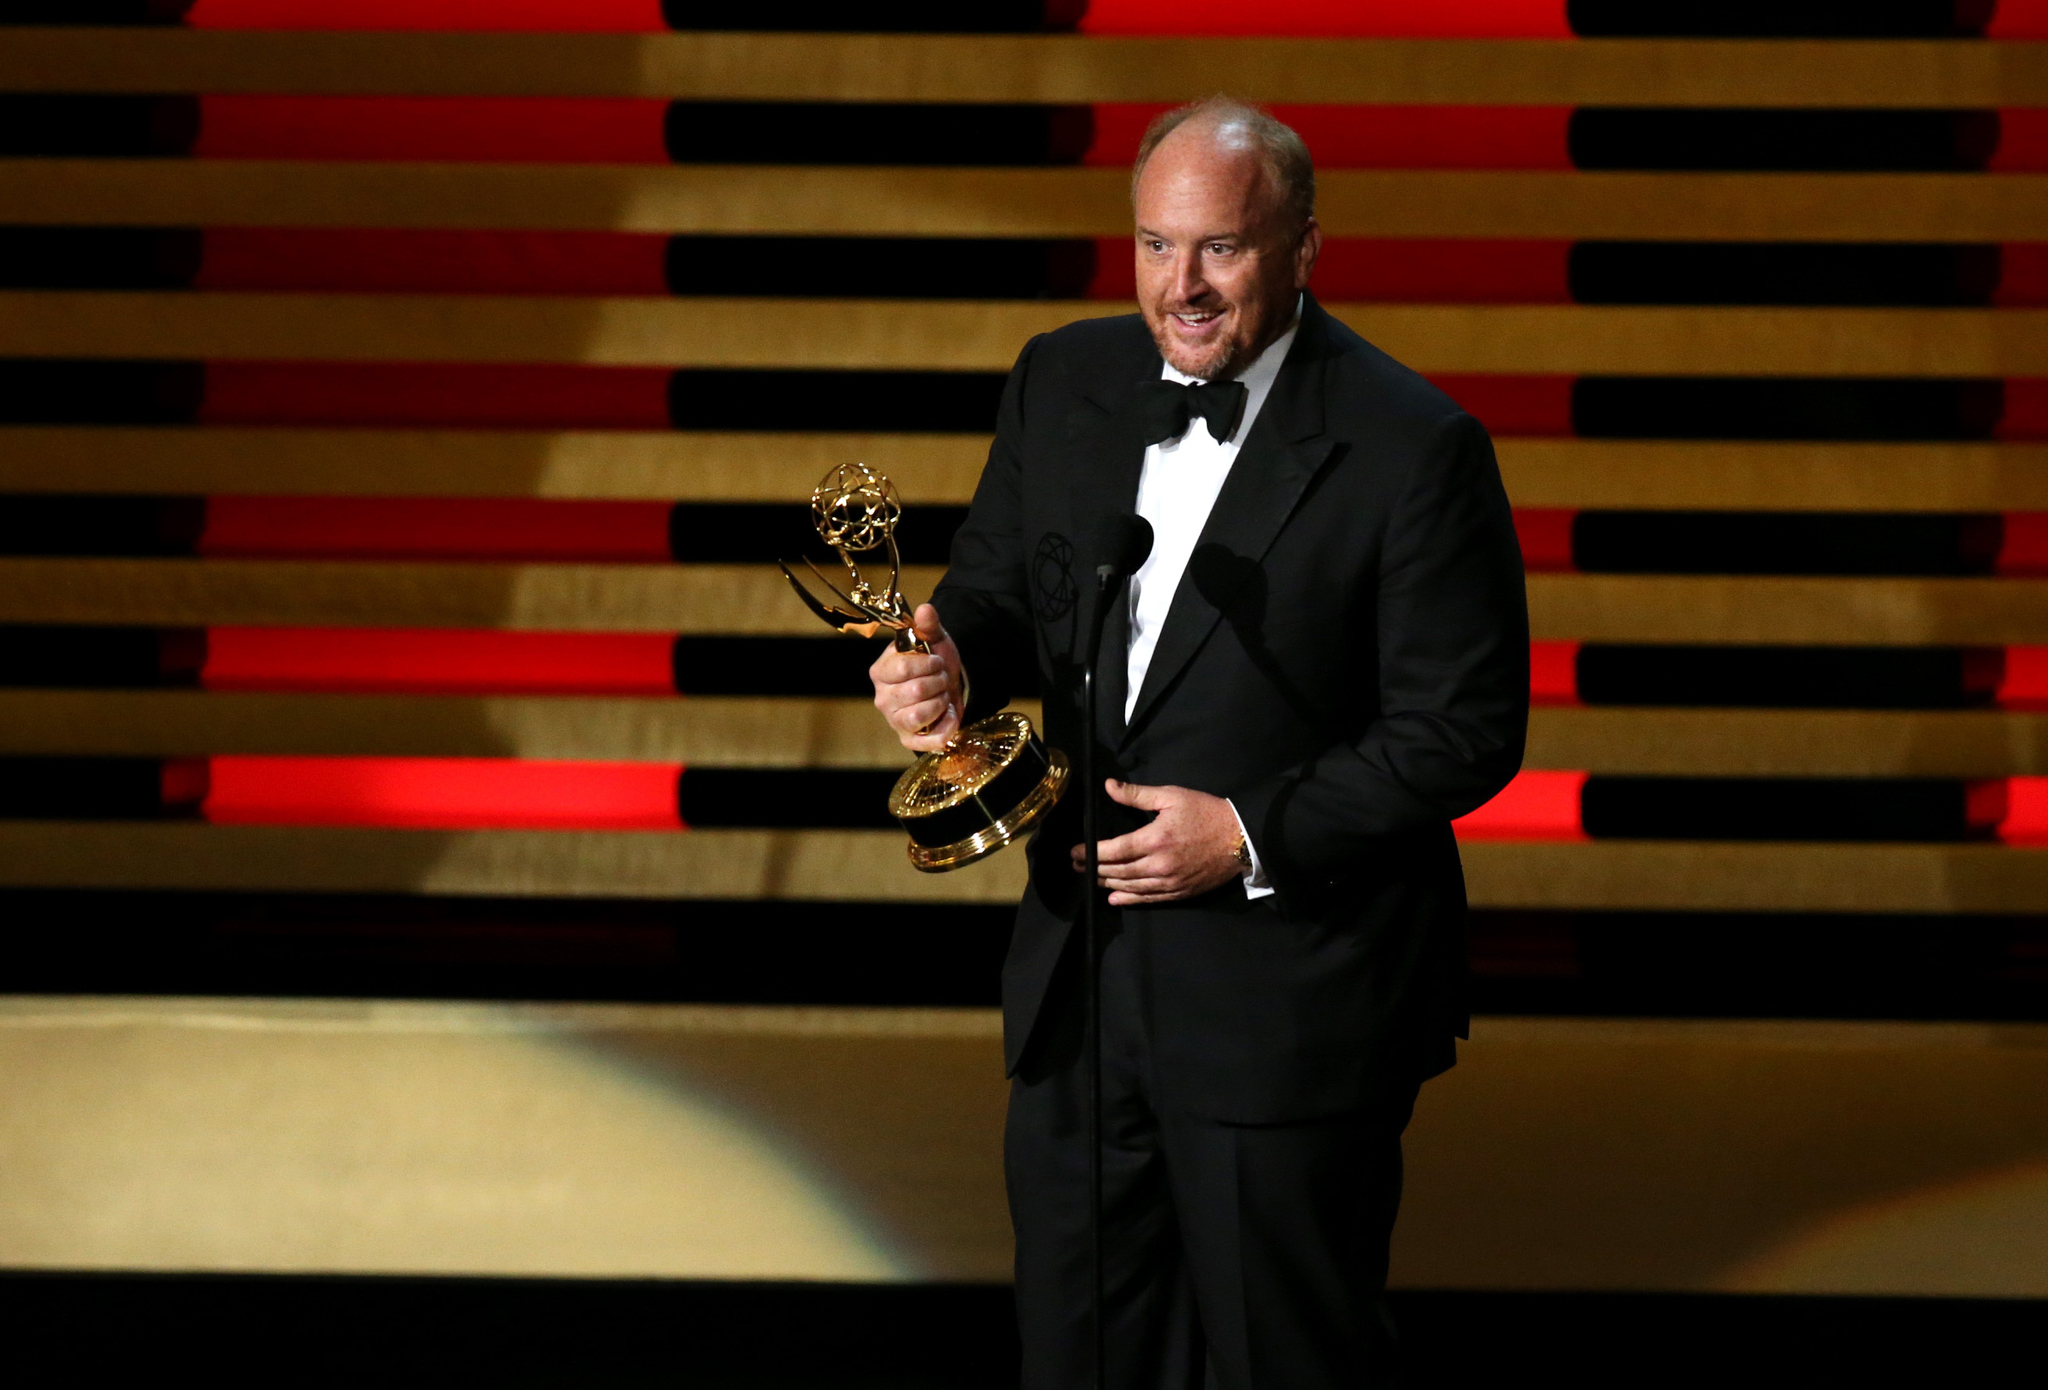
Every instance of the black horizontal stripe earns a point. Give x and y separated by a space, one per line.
1760 965
1641 964
1841 408
71 656
63 125
93 12
70 788
1687 138
711 399
71 391
1872 543
98 941
1789 677
880 16
742 533
928 133
780 798
881 267
1779 19
1853 274
1863 809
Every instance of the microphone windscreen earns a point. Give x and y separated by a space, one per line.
1123 543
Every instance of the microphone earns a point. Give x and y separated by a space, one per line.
1120 545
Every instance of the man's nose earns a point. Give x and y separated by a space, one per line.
1188 282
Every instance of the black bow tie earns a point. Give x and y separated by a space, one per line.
1169 408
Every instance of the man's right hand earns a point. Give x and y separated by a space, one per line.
921 696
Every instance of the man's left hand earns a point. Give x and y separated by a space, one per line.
1187 849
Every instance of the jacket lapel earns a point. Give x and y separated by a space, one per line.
1285 450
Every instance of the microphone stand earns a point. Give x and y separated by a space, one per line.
1107 584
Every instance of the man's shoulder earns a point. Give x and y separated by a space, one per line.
1084 351
1365 383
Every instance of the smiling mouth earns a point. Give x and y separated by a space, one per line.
1196 320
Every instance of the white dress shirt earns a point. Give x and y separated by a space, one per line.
1176 492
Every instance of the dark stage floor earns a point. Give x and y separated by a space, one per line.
321 1332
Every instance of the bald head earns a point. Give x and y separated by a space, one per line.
1235 125
1226 234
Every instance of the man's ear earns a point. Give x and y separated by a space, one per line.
1305 252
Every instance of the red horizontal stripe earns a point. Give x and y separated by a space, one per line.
1381 137
1535 19
437 528
443 793
2023 678
2022 142
1513 405
2026 409
422 394
1545 534
605 130
2023 545
1392 271
2022 274
2026 811
1554 673
433 262
438 662
608 16
2019 19
1534 806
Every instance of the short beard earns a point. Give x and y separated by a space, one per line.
1220 365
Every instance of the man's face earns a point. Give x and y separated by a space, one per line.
1217 271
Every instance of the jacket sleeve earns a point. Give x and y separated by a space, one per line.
984 600
1452 631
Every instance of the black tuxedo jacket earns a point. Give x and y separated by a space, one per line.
1346 658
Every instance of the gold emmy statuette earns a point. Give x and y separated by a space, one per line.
995 778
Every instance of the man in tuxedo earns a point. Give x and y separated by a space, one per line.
1322 662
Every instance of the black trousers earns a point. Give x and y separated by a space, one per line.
1235 1257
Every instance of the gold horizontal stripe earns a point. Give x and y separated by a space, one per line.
1683 876
1790 743
832 865
745 599
1774 477
1007 202
774 732
868 67
684 466
942 469
644 331
755 599
870 866
715 731
986 336
1658 608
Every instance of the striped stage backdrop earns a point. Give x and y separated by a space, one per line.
402 403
